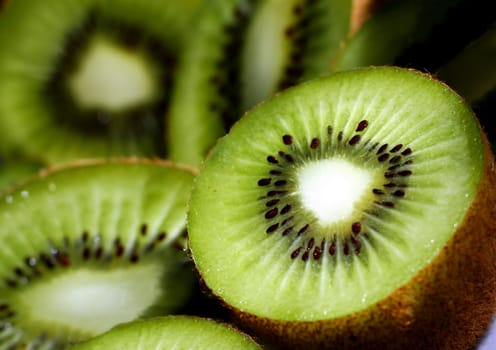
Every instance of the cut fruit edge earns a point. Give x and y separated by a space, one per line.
177 331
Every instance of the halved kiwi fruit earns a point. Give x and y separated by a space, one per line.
88 78
171 332
241 52
354 211
89 245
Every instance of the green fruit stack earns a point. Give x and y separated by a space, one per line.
259 174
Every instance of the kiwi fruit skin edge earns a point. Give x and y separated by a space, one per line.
171 332
448 304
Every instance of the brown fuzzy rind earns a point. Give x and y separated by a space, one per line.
449 304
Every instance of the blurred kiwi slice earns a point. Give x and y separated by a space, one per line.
88 78
394 30
89 245
350 211
241 52
171 332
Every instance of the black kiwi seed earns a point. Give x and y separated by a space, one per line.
346 248
286 209
272 159
143 229
272 228
272 202
288 230
287 139
362 125
264 182
382 148
161 236
317 253
356 227
303 229
383 157
354 140
395 159
272 213
295 253
396 148
314 143
305 255
332 247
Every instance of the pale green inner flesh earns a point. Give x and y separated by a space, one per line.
173 332
89 301
253 270
112 78
90 295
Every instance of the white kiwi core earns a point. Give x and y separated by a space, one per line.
113 79
89 302
331 188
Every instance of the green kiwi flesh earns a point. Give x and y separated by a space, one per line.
171 332
88 78
353 210
89 245
241 52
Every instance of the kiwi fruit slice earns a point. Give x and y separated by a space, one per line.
89 245
241 52
171 332
84 79
353 211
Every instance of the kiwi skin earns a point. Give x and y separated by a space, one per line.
449 304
